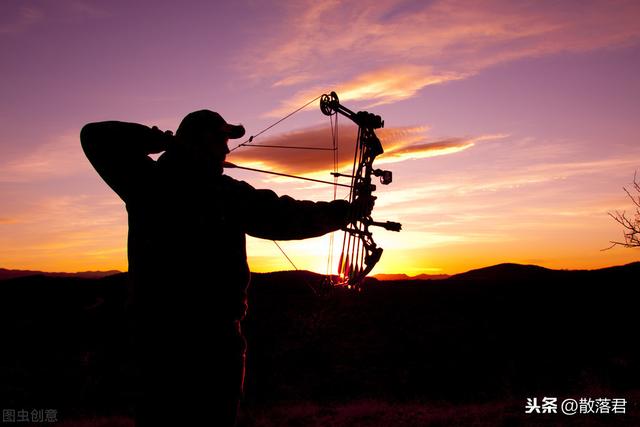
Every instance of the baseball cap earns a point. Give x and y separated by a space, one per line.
207 120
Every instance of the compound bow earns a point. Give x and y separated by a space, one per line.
359 251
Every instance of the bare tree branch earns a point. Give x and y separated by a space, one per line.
630 224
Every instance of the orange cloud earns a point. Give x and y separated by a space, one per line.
402 143
382 86
423 149
298 161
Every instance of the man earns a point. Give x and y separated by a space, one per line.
187 258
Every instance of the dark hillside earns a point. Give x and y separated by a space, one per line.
499 334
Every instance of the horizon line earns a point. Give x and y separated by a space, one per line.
116 271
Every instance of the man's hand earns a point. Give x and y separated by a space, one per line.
362 207
160 140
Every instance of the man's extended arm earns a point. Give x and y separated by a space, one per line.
267 216
119 152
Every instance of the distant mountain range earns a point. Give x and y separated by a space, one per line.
407 277
505 271
510 272
11 274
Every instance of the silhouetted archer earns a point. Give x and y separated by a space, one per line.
187 250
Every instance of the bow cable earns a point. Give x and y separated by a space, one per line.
335 174
252 137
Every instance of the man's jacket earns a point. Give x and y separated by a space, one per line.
187 227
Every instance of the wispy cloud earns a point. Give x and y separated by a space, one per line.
293 80
406 150
388 50
19 16
60 156
381 86
85 9
21 19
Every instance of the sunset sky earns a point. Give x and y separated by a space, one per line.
510 127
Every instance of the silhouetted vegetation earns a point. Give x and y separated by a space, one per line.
630 224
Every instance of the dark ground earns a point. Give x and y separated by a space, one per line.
464 351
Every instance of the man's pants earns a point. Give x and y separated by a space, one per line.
190 377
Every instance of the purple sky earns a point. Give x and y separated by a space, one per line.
511 127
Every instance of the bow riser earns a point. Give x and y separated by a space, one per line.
362 253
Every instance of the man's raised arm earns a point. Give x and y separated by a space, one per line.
119 152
